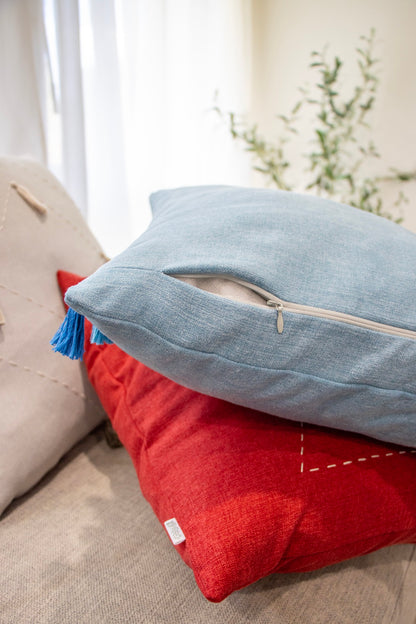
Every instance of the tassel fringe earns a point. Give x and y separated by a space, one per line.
98 337
69 339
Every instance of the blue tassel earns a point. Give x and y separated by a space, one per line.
69 339
98 337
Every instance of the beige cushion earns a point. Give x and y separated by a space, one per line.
85 547
47 405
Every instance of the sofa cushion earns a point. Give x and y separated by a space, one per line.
242 493
290 304
47 404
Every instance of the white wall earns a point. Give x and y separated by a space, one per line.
286 31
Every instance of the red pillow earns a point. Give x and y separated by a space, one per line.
252 494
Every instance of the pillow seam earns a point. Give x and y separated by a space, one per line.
253 366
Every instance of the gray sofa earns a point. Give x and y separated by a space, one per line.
78 542
84 546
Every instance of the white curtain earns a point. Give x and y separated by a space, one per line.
133 108
22 77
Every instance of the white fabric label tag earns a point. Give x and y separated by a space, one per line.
174 531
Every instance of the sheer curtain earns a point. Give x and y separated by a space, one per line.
23 115
134 84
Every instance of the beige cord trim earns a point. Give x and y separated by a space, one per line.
43 209
58 188
30 199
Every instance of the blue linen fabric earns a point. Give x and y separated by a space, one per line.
300 248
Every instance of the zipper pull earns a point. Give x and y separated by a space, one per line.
279 310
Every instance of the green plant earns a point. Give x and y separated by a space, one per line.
338 162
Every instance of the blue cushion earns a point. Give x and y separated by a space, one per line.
324 330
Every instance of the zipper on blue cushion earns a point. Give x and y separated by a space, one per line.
281 306
279 309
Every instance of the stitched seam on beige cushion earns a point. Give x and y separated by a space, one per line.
5 206
76 229
37 303
91 243
48 378
87 240
42 178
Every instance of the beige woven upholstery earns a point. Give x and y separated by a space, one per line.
85 547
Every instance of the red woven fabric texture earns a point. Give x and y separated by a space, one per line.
253 493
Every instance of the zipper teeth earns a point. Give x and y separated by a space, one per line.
310 310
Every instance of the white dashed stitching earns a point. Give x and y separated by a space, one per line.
362 459
301 446
347 462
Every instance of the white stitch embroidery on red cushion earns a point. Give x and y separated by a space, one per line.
349 461
301 447
361 459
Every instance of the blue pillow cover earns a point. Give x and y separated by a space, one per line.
326 334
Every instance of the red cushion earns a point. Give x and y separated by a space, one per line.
253 494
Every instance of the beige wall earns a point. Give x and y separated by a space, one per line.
286 31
